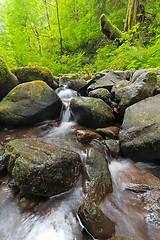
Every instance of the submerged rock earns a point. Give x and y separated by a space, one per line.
85 136
41 169
7 79
91 112
29 103
28 74
95 221
140 132
97 179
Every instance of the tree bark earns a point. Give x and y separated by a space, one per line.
47 14
131 14
59 27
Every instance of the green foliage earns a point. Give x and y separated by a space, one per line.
29 35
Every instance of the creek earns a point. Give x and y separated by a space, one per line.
60 221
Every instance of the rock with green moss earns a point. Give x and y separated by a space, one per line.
137 73
28 74
140 132
29 103
95 221
41 169
109 79
7 79
3 162
142 88
91 112
97 178
101 93
76 84
119 89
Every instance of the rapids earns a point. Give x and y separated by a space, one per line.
56 219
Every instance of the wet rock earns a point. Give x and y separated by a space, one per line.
142 88
119 89
3 162
42 169
113 147
85 136
28 74
95 221
101 93
121 238
7 79
140 132
108 81
29 103
76 84
109 132
97 179
91 112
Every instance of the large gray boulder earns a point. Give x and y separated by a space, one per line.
41 169
30 103
7 79
97 178
101 93
140 132
142 88
91 112
137 73
108 80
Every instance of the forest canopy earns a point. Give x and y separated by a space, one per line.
65 35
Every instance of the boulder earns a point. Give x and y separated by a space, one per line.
85 136
29 103
95 221
7 79
28 74
41 169
101 93
3 163
97 179
108 80
140 132
119 89
137 73
76 84
91 112
121 238
142 88
112 147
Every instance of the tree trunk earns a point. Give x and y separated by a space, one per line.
59 27
131 14
47 14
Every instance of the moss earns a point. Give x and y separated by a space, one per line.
5 72
109 29
152 77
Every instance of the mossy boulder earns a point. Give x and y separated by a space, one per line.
91 112
142 88
28 74
76 84
137 73
101 93
119 89
41 169
7 79
29 103
140 132
97 178
95 221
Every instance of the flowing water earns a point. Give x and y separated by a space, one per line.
60 221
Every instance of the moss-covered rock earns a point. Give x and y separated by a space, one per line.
41 169
91 112
7 79
140 132
29 103
95 221
119 89
97 178
3 162
76 84
28 74
101 93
